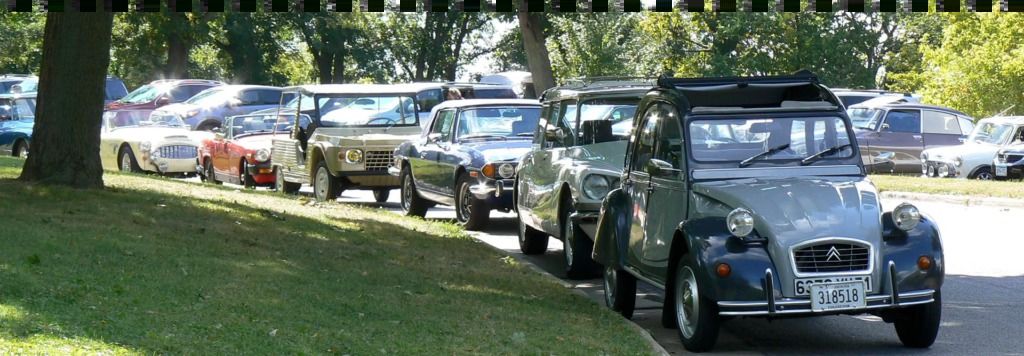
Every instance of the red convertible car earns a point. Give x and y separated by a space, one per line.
239 153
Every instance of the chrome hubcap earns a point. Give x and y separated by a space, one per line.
24 151
610 276
126 163
687 301
321 184
985 176
407 192
567 241
465 202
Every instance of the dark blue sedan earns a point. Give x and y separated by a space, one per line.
17 117
466 158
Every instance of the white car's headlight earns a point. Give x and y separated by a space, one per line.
354 156
506 170
191 113
740 222
596 186
145 146
262 154
906 216
958 161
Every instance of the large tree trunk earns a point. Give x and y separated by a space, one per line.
66 138
535 44
177 57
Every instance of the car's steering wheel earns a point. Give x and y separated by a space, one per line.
387 121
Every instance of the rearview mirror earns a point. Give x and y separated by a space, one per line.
659 168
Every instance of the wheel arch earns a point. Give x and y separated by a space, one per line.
978 169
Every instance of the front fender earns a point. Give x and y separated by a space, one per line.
710 243
612 236
903 248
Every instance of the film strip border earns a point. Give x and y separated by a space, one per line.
569 6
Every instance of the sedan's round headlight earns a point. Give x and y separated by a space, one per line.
740 222
354 156
262 154
595 186
906 216
506 170
958 161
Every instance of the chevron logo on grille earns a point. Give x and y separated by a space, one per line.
833 253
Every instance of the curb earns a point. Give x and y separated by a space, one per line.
646 335
956 199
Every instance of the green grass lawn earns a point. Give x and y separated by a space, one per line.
966 187
151 265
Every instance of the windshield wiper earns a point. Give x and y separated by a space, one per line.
471 137
524 134
767 153
827 152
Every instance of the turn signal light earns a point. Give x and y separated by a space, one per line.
488 170
723 270
924 263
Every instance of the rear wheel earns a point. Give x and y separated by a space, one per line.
696 315
325 185
128 163
412 204
577 249
381 195
531 241
917 326
620 291
21 149
470 212
210 174
282 185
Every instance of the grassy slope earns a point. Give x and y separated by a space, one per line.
151 265
971 187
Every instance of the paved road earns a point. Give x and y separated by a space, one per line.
983 295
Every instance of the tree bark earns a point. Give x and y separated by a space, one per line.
535 44
66 137
177 57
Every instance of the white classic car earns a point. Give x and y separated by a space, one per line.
973 159
167 146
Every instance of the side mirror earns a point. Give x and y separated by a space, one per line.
434 137
885 127
553 133
659 168
163 100
233 102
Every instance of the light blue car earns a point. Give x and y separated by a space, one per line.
207 109
17 117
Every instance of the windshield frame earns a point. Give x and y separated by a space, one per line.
853 158
317 117
159 89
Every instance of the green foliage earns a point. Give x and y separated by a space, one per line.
979 66
21 42
591 44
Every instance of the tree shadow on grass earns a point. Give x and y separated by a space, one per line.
159 273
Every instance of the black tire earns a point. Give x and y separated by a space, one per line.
244 178
577 250
696 316
325 185
620 291
470 212
917 326
983 173
412 204
531 241
126 161
283 186
21 149
381 195
211 177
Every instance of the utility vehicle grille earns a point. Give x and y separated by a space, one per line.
177 152
378 160
832 257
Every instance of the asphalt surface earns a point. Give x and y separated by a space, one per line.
983 295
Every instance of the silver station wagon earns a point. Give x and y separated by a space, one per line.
575 159
746 197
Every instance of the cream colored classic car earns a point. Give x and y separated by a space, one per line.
167 146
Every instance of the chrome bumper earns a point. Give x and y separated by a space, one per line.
483 189
786 306
395 171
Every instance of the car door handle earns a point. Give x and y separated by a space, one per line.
961 139
917 137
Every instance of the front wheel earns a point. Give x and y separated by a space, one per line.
470 212
984 173
917 326
531 241
244 178
325 185
412 204
210 177
577 249
21 149
128 162
696 315
381 195
620 291
282 185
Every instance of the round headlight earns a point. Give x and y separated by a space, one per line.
958 161
595 186
906 216
354 156
740 222
145 146
506 170
262 154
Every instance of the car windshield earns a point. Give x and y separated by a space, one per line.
366 111
768 139
257 124
144 94
24 109
5 86
170 120
210 97
864 118
507 121
991 133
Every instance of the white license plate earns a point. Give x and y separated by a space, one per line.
837 296
802 286
1001 171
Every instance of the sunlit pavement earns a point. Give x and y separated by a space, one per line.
983 297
